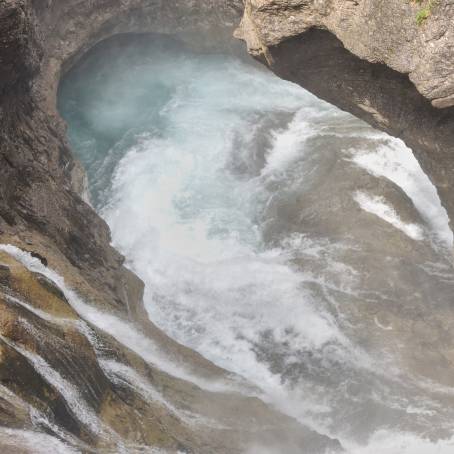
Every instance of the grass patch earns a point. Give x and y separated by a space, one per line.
425 10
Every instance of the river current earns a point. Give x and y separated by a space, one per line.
283 239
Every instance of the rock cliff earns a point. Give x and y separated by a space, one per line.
375 31
368 57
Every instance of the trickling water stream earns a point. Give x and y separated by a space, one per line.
281 238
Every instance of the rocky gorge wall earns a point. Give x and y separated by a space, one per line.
367 57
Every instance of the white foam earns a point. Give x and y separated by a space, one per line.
34 441
67 390
391 442
38 312
287 144
191 229
40 421
381 326
397 163
377 205
123 374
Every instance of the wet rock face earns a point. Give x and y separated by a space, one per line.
21 52
66 377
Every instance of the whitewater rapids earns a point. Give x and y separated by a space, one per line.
281 238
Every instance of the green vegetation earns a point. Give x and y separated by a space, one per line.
425 11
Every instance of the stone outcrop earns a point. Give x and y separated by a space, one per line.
375 31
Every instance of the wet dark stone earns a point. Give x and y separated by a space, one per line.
41 258
5 275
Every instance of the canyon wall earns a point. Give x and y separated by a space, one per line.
368 57
386 32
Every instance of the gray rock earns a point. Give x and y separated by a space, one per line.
375 31
5 275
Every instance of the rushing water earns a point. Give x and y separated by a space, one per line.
283 239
